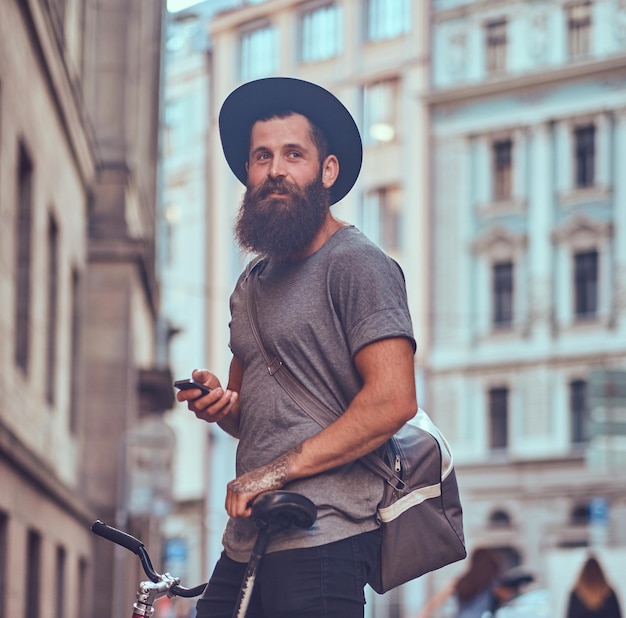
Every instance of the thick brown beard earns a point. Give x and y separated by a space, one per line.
281 228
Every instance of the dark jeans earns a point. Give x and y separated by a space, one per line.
316 582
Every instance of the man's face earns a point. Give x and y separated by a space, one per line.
283 148
286 200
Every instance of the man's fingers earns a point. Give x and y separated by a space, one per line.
238 505
212 407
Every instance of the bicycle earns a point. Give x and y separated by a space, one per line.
271 511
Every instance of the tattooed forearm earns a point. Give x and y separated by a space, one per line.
271 476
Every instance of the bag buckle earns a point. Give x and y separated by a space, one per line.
275 366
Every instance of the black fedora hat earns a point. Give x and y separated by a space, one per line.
264 97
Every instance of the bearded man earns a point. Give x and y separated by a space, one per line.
333 307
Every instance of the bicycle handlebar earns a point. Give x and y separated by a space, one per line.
274 510
137 547
116 536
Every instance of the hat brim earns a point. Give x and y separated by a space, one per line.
263 97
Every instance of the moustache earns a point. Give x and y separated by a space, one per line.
276 185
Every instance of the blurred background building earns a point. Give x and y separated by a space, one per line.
494 136
204 461
528 296
493 139
84 380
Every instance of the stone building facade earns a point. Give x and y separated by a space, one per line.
205 461
494 136
79 110
528 210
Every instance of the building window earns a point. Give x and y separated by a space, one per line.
585 284
4 551
258 52
51 328
502 294
320 33
579 515
23 242
502 169
60 583
498 418
579 24
83 579
178 133
380 101
499 519
75 350
387 19
585 155
33 576
381 217
496 45
578 411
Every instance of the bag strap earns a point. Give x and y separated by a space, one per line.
320 413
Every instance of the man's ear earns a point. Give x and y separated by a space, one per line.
330 171
247 170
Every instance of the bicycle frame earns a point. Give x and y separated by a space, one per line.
158 585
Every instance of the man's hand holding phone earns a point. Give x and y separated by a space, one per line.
189 384
205 397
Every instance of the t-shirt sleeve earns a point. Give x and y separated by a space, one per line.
369 296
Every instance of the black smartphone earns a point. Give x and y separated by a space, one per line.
189 383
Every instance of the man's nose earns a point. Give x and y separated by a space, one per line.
277 168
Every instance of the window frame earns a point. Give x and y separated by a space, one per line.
374 113
383 224
579 29
579 234
500 519
578 411
584 137
380 23
502 166
496 46
60 583
498 417
53 308
586 283
499 244
75 328
33 574
310 56
503 296
82 578
24 241
4 564
247 70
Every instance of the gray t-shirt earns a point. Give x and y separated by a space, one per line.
316 314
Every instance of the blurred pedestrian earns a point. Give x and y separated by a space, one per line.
592 596
473 592
510 586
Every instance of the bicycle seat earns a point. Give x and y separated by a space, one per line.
283 509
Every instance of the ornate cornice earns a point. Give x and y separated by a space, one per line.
581 223
498 235
511 83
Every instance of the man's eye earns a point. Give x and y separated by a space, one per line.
295 155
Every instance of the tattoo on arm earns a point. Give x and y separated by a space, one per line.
271 476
